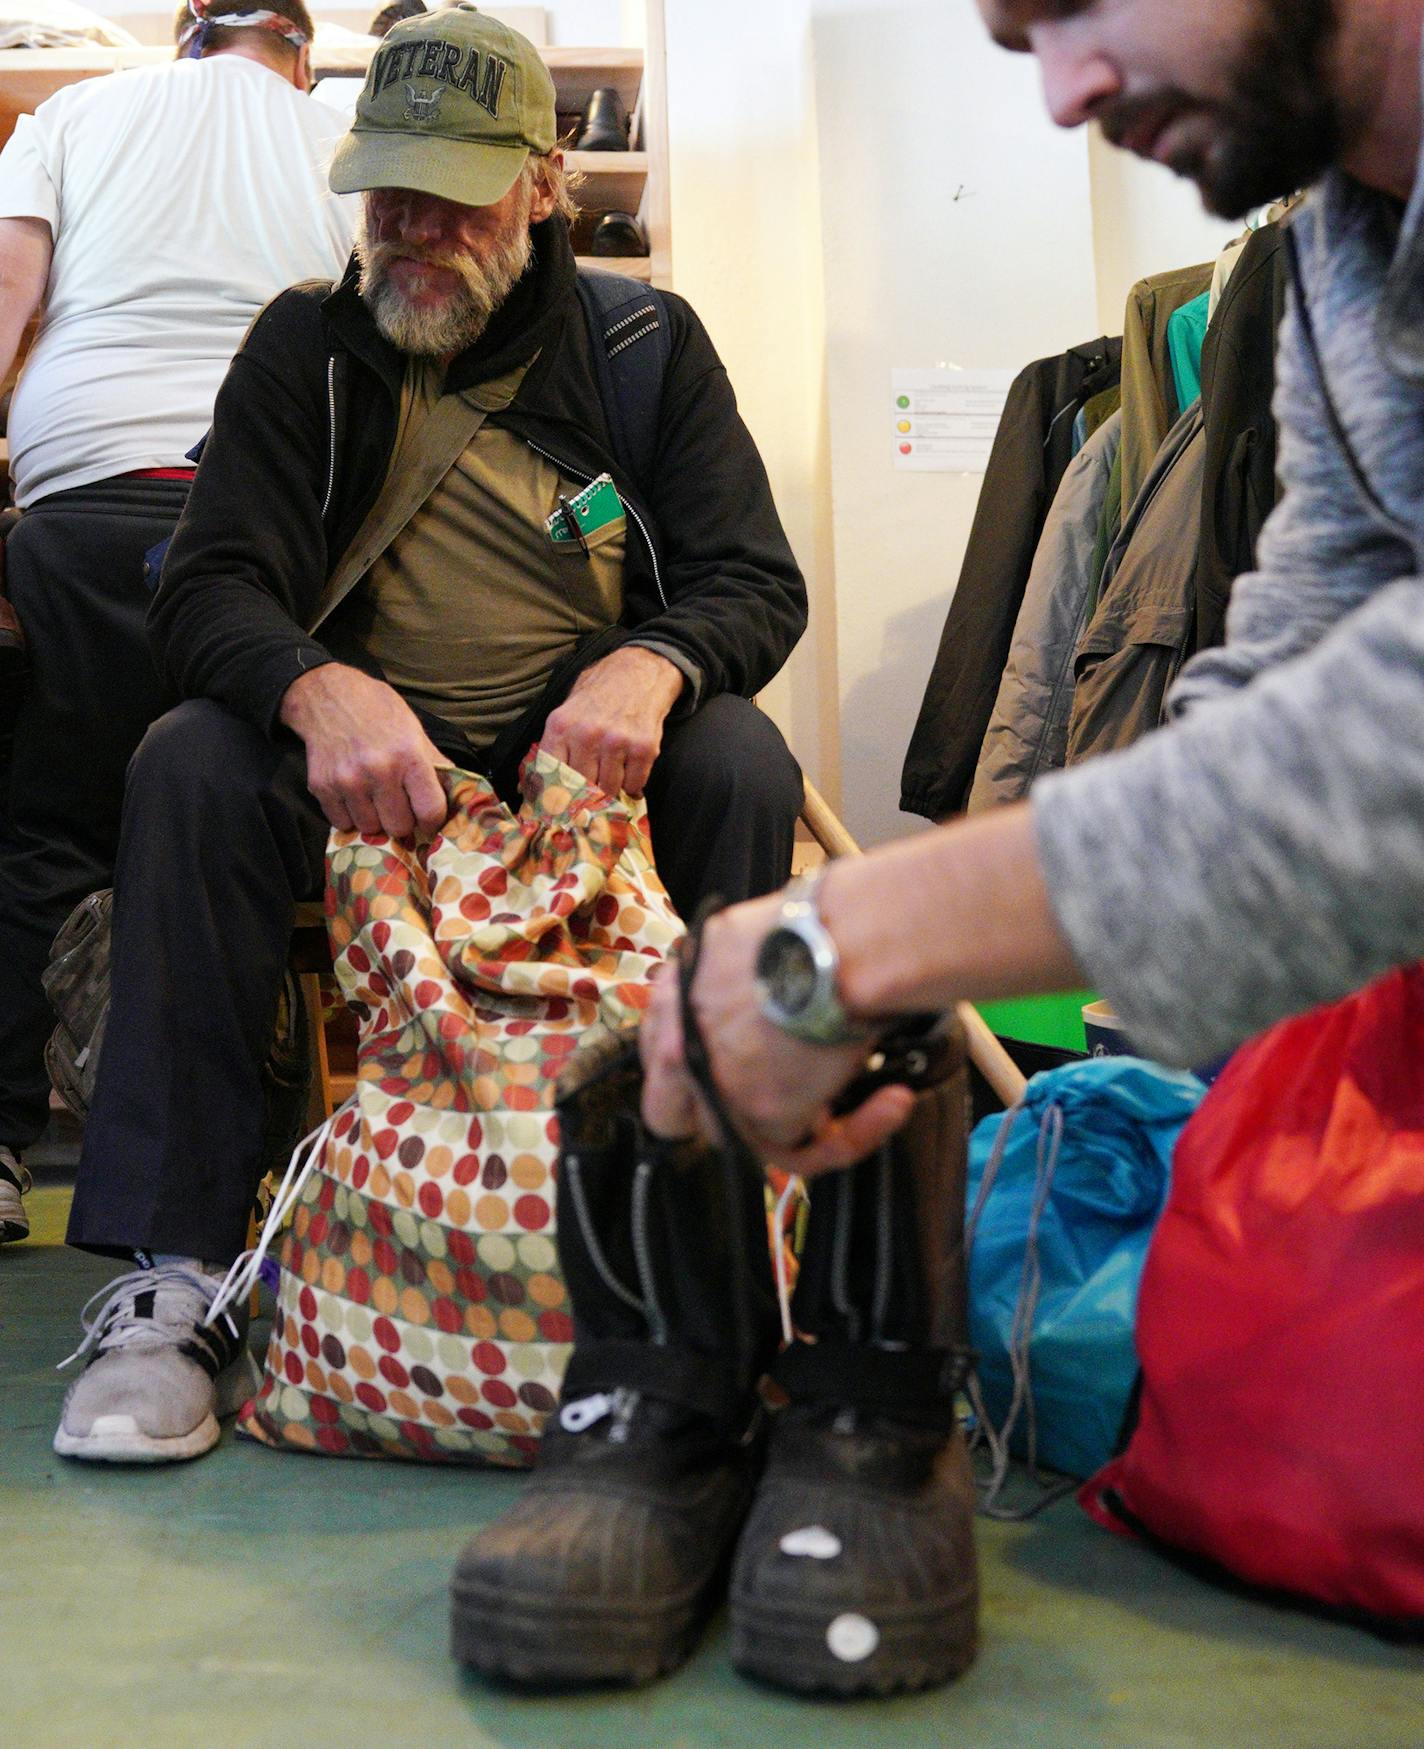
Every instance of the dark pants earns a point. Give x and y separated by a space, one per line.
220 841
74 574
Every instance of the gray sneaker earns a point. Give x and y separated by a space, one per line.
159 1377
15 1184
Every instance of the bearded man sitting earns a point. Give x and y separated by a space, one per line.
329 673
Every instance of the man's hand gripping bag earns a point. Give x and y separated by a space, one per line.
1281 1318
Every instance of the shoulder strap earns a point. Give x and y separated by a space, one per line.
445 435
628 327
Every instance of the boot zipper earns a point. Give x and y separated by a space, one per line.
586 1412
840 1259
588 479
625 1403
881 1300
643 1255
573 1174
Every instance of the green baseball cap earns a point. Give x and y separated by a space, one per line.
453 104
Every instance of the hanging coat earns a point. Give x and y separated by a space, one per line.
1149 395
1030 456
1238 381
1139 636
1028 732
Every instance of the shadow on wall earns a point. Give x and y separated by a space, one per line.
877 718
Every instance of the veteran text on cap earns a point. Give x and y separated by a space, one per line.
453 104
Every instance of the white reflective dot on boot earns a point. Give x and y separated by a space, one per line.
852 1638
814 1541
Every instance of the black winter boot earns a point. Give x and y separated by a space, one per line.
609 1564
856 1573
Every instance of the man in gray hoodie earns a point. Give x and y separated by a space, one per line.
1265 852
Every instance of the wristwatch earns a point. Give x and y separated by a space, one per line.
796 969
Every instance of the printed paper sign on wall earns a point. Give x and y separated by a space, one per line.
944 421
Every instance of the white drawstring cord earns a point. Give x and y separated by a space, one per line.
242 1277
983 1427
794 1187
1050 1141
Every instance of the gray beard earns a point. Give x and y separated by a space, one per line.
431 333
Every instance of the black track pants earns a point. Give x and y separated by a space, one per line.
74 573
220 842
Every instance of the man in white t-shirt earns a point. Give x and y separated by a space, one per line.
146 218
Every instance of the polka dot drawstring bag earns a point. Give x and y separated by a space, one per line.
421 1312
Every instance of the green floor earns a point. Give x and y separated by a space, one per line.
252 1598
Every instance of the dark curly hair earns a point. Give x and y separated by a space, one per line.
393 14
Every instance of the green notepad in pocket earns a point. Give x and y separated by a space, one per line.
597 507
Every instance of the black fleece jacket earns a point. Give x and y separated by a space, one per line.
303 431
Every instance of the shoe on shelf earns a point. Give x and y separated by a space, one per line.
618 234
15 1185
607 1567
605 126
855 1574
158 1377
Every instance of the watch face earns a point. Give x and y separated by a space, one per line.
788 969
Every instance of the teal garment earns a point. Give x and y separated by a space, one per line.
1186 331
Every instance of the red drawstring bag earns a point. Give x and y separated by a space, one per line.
1281 1318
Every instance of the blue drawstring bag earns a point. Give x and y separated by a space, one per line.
1063 1194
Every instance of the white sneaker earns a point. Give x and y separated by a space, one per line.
15 1184
159 1376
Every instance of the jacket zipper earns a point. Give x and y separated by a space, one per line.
331 426
579 474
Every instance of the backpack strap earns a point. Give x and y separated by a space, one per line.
628 327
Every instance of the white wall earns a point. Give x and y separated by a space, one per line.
747 252
957 231
877 186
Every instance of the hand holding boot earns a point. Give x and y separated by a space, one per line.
782 1089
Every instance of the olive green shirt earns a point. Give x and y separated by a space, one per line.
472 605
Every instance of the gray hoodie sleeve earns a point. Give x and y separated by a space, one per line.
1265 852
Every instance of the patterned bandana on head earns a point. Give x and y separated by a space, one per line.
195 35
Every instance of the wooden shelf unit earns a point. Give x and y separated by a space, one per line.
635 181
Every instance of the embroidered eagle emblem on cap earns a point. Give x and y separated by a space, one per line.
422 107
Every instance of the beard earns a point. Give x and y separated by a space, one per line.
1278 128
457 322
